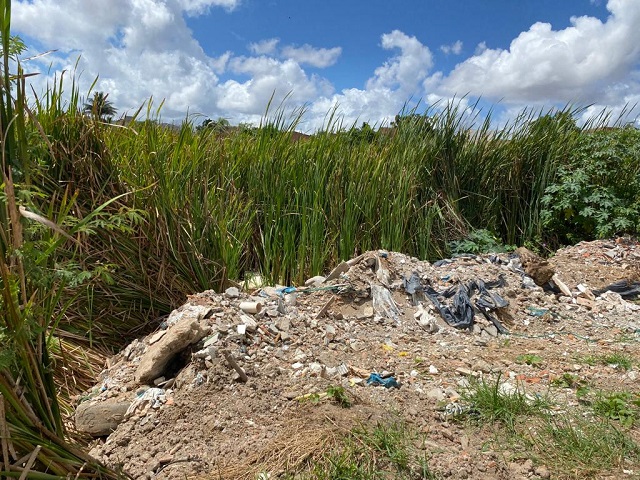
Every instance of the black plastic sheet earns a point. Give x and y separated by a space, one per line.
461 311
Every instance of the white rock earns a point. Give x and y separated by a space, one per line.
232 292
249 323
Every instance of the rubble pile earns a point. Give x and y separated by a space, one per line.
225 372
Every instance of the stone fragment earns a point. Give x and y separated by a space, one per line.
100 419
561 285
232 292
314 281
482 366
189 312
336 272
186 332
542 472
436 394
249 323
156 336
367 312
491 330
283 324
329 333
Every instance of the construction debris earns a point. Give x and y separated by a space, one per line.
226 372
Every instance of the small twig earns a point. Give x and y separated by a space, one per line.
232 362
81 470
173 462
30 462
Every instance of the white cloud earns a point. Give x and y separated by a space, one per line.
480 48
455 48
386 92
198 7
264 47
575 64
404 71
316 57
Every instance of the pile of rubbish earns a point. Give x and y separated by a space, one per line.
223 371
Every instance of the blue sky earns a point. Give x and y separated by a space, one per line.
226 58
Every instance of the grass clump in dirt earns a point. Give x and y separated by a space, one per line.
323 448
620 360
385 450
492 401
580 447
616 360
576 445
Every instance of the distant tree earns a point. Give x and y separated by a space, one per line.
99 106
221 125
423 123
364 134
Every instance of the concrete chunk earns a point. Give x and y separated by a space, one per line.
100 419
154 361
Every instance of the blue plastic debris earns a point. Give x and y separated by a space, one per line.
375 380
537 312
286 290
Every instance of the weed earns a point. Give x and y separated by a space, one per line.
581 447
621 406
479 241
566 380
338 396
618 360
529 359
493 402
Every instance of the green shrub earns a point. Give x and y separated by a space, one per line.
479 241
597 193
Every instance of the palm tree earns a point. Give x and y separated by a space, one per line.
99 106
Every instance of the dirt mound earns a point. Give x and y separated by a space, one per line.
237 383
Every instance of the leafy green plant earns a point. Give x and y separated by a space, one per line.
530 359
619 360
596 194
621 406
479 241
338 395
569 380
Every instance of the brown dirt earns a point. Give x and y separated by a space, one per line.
215 426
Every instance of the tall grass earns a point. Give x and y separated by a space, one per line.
38 259
202 207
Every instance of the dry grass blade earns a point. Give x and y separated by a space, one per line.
297 443
4 435
30 462
46 222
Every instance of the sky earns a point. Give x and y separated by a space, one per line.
362 61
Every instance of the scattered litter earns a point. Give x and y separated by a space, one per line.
376 380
